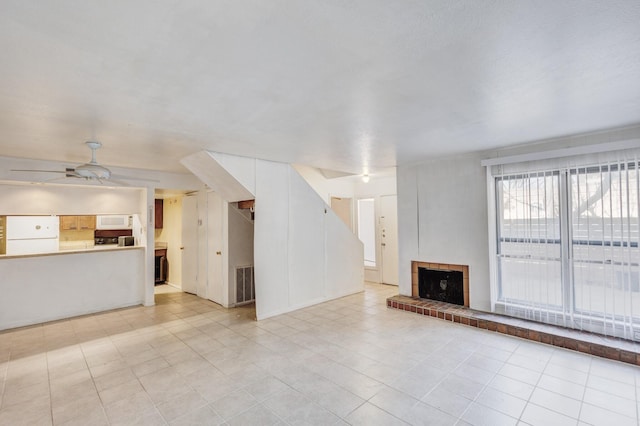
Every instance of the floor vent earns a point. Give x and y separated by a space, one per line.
245 285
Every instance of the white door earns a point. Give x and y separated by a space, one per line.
215 243
389 238
189 244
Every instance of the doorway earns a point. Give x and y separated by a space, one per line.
389 238
377 228
168 239
367 230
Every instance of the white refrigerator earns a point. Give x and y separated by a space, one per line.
32 234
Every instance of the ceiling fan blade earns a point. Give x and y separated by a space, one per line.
56 179
39 171
132 178
68 172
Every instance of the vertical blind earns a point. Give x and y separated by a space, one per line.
567 246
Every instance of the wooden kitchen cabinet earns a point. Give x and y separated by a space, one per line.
68 223
159 205
77 223
86 222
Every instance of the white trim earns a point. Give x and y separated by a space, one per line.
491 217
564 152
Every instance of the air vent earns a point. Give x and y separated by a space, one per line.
245 285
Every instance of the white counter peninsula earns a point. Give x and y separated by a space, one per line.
42 287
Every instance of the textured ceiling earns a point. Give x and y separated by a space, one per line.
338 85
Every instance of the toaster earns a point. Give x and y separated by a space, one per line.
125 241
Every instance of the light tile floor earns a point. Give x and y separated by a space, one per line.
186 361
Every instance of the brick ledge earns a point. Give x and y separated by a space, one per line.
581 341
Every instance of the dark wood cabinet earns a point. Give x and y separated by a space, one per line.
159 205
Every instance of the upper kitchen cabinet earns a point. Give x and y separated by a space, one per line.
87 222
77 223
158 213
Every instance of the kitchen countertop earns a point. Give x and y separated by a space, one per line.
94 249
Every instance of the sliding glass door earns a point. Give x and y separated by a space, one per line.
529 251
567 247
604 225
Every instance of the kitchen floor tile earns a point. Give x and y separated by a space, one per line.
610 401
121 391
423 414
536 415
341 402
393 401
185 403
370 415
562 387
129 409
85 407
113 379
502 402
512 387
598 416
257 415
203 416
33 412
448 402
24 394
348 361
479 415
562 404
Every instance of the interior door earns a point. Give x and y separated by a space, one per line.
389 238
215 243
189 246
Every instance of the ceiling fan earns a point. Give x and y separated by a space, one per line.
89 171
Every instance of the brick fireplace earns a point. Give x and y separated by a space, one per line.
416 267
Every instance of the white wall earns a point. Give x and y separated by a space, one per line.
353 187
304 254
377 186
28 199
271 249
300 245
343 187
36 289
442 217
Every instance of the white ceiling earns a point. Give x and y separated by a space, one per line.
334 84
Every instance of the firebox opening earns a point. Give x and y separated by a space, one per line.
441 285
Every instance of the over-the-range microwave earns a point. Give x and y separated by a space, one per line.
114 221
